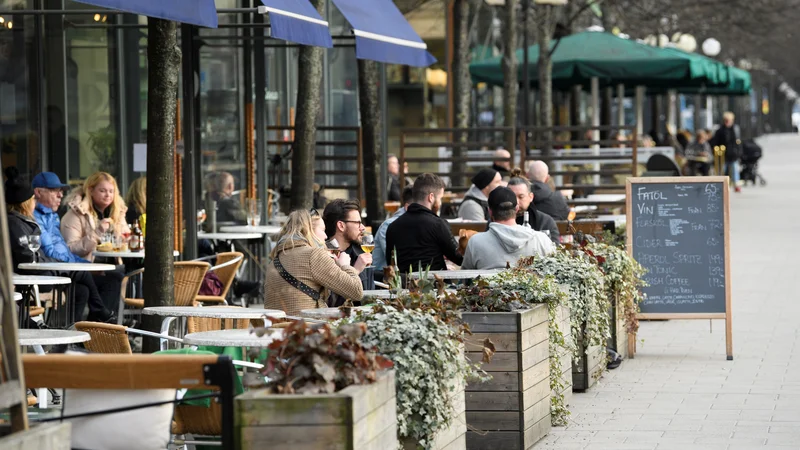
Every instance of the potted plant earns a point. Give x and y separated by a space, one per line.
623 283
430 370
579 273
325 385
517 311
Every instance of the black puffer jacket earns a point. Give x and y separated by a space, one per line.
20 227
551 203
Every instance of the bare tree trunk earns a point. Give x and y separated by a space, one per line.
369 106
544 32
510 78
163 65
462 85
309 86
606 118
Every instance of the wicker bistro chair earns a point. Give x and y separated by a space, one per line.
188 279
109 338
228 264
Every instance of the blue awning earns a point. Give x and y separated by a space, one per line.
296 21
383 34
195 12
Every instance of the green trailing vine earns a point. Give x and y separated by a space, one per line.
623 281
520 289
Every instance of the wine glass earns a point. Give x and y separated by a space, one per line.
367 243
333 247
34 243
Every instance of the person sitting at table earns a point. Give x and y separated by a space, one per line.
547 200
343 222
505 242
95 209
474 206
302 271
420 237
379 258
48 191
698 154
219 188
136 200
502 162
538 220
20 204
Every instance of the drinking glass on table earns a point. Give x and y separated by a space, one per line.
253 212
34 243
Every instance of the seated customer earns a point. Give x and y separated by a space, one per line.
538 220
302 271
379 257
546 199
136 200
505 242
20 204
474 206
219 188
343 222
420 237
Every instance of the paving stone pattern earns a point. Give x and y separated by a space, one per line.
680 392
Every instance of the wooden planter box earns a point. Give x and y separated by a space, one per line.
49 436
355 418
454 436
587 368
512 410
619 336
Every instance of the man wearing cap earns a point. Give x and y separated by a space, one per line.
49 190
475 206
505 242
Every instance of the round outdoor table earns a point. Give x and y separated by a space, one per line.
69 267
269 230
216 312
329 313
229 236
127 254
28 282
459 274
386 293
37 338
232 338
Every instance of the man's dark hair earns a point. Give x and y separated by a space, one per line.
408 194
503 214
520 181
336 211
425 185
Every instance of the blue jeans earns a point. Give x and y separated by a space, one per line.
732 167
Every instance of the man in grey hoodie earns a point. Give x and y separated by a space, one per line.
474 206
505 242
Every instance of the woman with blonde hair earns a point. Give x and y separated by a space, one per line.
94 209
303 272
136 200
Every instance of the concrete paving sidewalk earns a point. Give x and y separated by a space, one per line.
680 392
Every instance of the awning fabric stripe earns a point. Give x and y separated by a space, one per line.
196 12
383 34
296 21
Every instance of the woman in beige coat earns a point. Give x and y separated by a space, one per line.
303 272
94 209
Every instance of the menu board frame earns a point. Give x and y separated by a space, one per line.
727 316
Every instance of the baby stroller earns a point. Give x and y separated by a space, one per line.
751 153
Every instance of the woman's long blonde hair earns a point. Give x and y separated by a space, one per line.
137 195
25 208
117 206
298 231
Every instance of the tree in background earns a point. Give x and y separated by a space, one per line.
371 123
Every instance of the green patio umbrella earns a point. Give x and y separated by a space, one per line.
613 60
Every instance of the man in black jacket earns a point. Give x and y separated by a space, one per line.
420 237
538 220
728 136
546 200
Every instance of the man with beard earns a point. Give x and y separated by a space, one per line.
538 220
420 237
343 222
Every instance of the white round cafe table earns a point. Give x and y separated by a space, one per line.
127 254
39 280
269 230
329 313
386 293
232 338
215 312
229 236
459 274
68 267
31 337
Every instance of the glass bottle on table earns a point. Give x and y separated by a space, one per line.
525 219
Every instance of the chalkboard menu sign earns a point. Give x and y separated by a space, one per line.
678 231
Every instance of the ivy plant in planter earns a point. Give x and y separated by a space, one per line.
579 273
623 283
515 296
324 385
431 371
